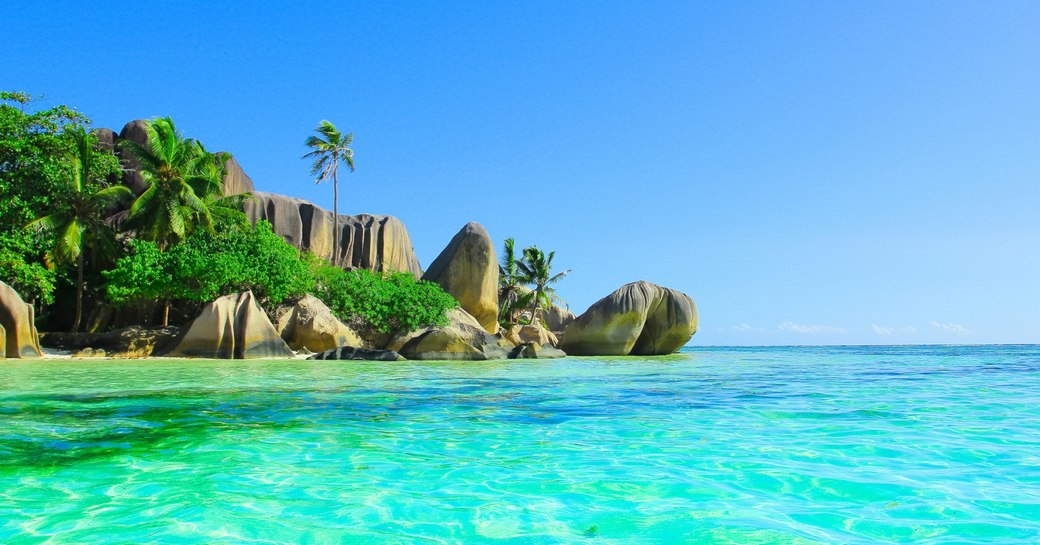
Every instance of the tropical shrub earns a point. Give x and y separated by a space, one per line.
208 265
386 303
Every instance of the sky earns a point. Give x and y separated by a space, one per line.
808 172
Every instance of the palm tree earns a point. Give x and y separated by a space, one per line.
79 219
536 269
509 288
184 182
330 147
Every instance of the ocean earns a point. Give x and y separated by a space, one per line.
799 445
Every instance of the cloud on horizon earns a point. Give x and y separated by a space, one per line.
951 327
811 329
744 327
885 330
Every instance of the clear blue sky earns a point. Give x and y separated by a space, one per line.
828 172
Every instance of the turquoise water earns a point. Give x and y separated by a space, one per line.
716 445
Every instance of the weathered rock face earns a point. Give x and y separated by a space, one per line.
128 342
557 318
379 243
537 334
311 325
135 131
638 319
463 339
18 323
236 181
231 327
352 353
468 269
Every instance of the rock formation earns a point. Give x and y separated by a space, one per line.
463 339
535 351
236 181
352 353
232 326
638 319
537 334
134 131
311 325
468 269
379 243
18 325
557 318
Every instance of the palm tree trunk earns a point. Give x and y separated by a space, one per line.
335 218
166 313
79 293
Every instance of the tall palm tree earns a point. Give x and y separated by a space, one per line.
509 288
79 218
183 182
536 269
329 148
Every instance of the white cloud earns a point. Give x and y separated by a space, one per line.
950 327
885 330
882 330
810 329
743 327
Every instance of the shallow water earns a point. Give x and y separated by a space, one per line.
715 445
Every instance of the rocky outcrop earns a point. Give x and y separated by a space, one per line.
311 325
231 327
468 269
535 351
128 342
18 324
378 243
463 339
537 334
557 318
134 131
236 181
638 319
352 353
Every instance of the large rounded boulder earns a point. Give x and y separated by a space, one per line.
231 327
311 325
640 318
468 269
464 338
17 326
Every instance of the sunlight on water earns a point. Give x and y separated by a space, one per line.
781 445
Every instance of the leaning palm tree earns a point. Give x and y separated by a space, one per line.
329 148
536 269
183 181
78 221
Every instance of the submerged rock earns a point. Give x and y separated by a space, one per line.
17 326
231 327
377 243
353 353
638 319
468 269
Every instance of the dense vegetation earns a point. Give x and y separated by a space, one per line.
68 225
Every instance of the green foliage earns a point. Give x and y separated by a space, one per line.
387 303
208 265
183 179
40 168
534 268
